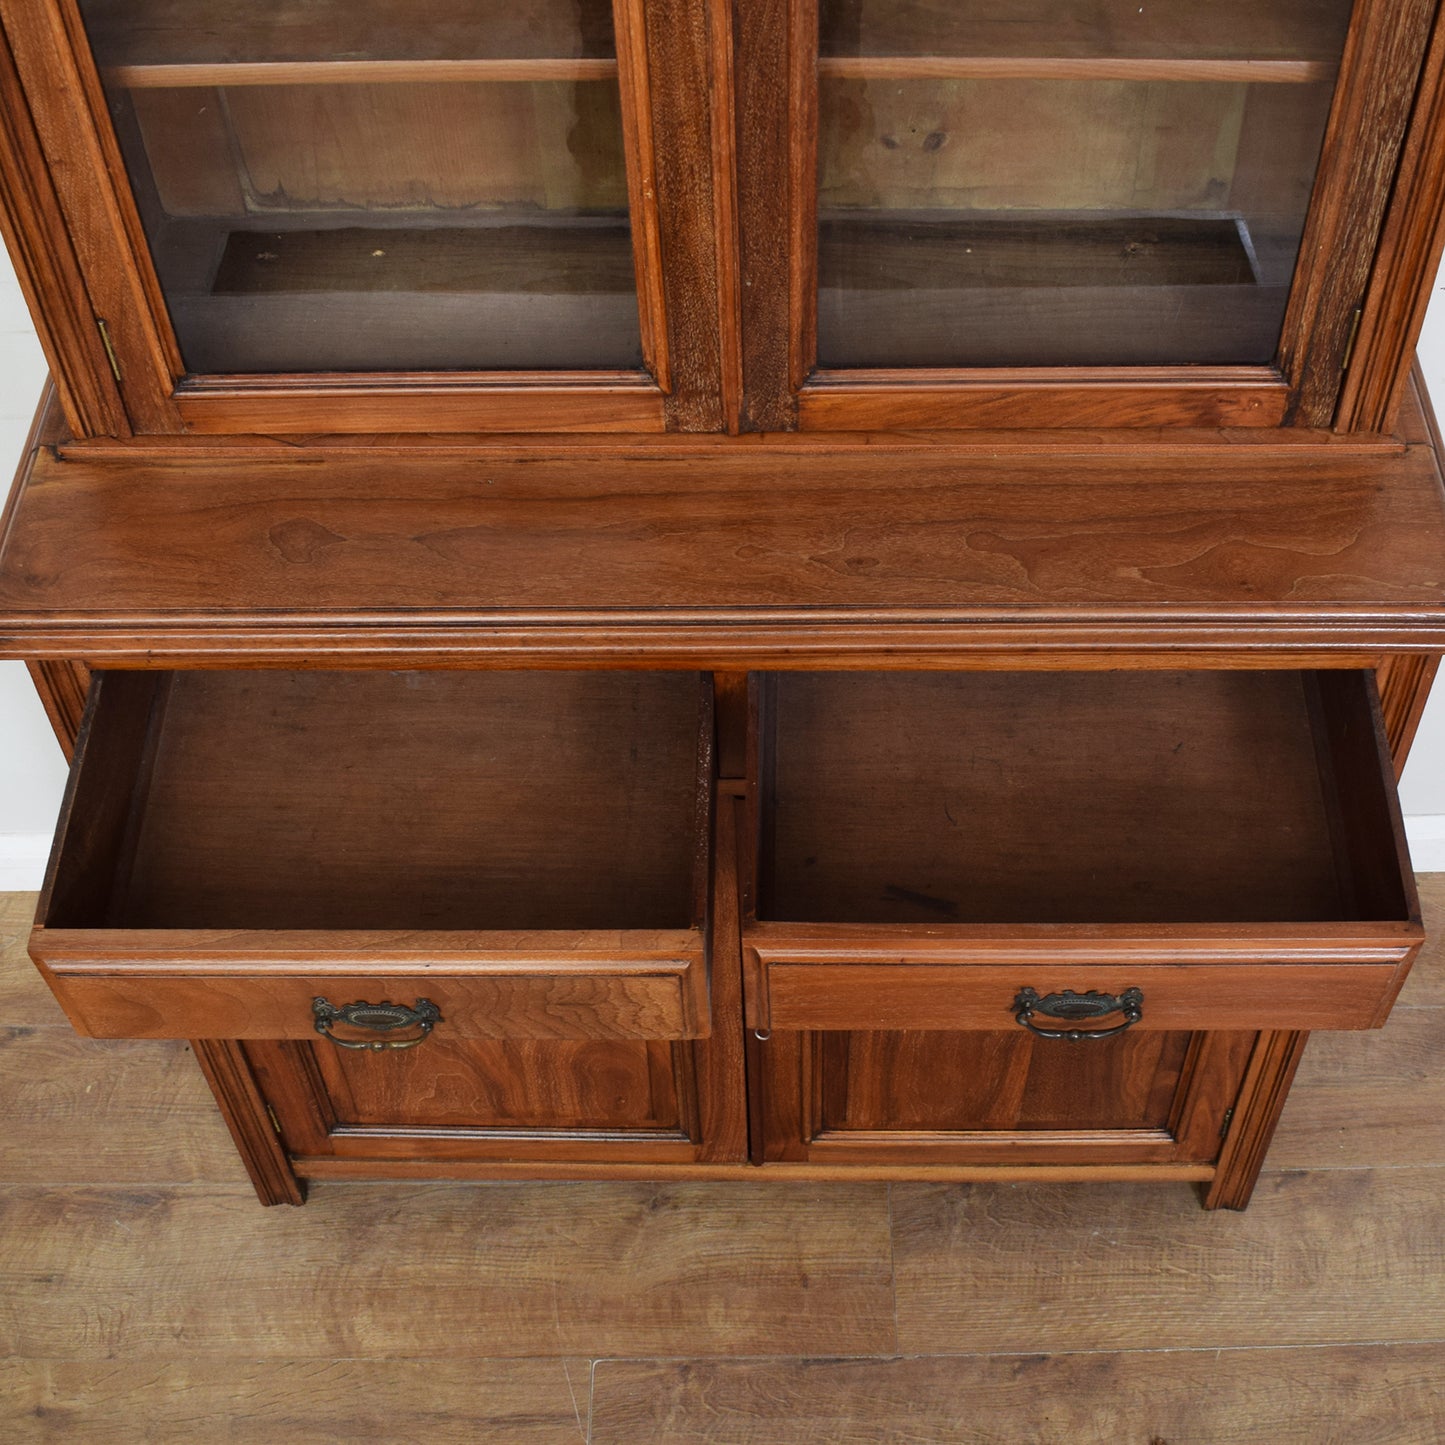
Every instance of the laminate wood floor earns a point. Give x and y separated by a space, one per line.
146 1297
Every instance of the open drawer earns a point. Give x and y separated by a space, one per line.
521 855
1075 853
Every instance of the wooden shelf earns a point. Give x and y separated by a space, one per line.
549 257
684 554
1031 289
136 37
1278 40
356 72
317 296
1134 68
1021 248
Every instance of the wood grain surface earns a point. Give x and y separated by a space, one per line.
767 555
304 1402
547 1311
1330 1251
443 1271
1289 1396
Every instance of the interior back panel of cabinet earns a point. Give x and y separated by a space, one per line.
418 800
1047 798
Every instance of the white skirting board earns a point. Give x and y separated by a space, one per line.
23 855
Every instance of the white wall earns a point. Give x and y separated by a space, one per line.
32 771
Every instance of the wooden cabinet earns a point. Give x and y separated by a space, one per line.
857 214
733 589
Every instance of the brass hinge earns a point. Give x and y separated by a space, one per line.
1223 1128
109 349
275 1122
1350 339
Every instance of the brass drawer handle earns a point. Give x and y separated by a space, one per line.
381 1018
1077 1007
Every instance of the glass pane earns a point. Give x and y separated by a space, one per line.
360 185
1066 182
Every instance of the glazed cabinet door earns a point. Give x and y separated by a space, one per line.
1058 213
378 216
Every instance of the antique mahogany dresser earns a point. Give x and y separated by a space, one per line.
719 588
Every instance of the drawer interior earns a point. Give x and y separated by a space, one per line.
1057 798
418 800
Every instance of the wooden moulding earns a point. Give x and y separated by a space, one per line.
1043 397
174 816
1272 1069
249 1119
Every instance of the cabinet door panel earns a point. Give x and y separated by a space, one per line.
942 1081
893 1097
480 1100
505 1084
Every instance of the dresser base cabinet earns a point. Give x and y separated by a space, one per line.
924 925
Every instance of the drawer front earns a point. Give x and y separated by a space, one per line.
140 984
860 977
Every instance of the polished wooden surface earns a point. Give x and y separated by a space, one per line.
410 802
835 557
257 987
1030 798
708 1312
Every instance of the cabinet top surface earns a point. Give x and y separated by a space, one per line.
893 555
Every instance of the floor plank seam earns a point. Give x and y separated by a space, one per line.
959 1355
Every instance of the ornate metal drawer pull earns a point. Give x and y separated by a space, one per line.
381 1018
1077 1007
